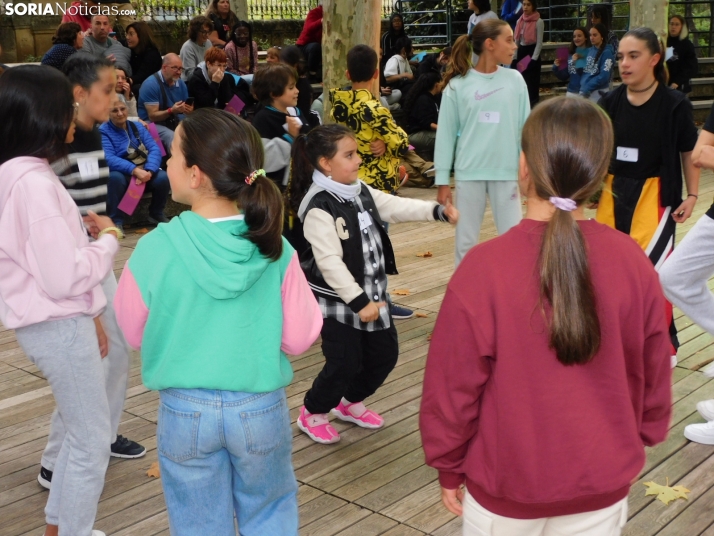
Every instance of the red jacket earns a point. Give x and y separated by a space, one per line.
72 15
312 29
528 435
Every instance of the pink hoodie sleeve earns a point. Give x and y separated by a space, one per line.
130 309
302 318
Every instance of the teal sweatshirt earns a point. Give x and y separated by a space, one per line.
206 307
480 123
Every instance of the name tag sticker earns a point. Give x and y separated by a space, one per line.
88 168
627 154
364 220
489 117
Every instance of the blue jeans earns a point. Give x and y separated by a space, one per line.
119 183
222 452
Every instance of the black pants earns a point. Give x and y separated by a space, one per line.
532 73
313 58
356 364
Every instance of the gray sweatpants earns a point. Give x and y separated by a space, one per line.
67 353
505 202
116 373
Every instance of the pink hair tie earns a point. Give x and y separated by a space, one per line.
563 203
250 179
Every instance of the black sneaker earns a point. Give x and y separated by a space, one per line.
126 448
45 477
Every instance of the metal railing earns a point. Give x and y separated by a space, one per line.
699 22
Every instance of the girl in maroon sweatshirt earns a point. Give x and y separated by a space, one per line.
549 365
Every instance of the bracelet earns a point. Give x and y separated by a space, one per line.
169 110
120 234
693 195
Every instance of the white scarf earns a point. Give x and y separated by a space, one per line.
321 182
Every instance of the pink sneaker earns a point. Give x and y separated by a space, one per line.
317 427
358 414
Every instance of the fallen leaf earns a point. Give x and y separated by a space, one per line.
425 255
401 292
141 231
422 315
428 337
666 494
154 470
702 364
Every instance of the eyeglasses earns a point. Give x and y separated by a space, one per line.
204 32
118 110
177 69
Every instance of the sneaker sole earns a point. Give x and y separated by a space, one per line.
43 482
314 437
703 412
128 456
350 418
697 438
402 317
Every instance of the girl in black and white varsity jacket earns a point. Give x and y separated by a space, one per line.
346 264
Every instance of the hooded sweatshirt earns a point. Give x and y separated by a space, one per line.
210 312
49 268
597 71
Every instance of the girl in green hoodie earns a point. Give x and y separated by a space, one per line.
215 299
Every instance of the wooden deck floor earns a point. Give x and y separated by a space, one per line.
372 482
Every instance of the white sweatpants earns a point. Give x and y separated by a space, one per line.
606 522
116 373
505 202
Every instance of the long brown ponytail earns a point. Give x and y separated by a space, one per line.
567 144
466 45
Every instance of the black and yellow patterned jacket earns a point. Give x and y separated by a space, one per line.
360 111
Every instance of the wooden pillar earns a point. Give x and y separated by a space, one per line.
346 23
650 13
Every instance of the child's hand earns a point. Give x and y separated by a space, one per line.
294 125
370 312
378 148
576 57
443 195
101 222
451 213
556 63
101 338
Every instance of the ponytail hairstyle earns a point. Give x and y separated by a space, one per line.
655 46
466 45
602 30
567 144
424 84
228 150
320 142
573 47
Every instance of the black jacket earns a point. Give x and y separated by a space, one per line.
143 66
211 94
430 64
424 112
683 65
352 254
679 136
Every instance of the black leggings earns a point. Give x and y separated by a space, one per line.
532 73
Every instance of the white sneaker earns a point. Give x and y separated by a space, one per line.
674 361
708 371
98 533
706 409
700 433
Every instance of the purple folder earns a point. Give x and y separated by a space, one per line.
132 197
562 54
235 105
155 134
523 64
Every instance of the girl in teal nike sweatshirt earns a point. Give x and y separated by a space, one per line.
215 299
483 109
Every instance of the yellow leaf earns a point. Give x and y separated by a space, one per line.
422 315
154 470
428 337
141 231
666 494
401 292
425 255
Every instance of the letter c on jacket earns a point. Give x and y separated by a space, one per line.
341 227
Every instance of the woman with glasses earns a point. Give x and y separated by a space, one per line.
195 47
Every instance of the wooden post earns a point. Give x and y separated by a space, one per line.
346 23
650 13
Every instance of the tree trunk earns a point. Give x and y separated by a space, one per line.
240 8
650 13
346 23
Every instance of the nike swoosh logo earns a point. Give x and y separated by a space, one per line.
479 97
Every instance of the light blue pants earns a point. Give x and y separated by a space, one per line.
67 353
471 196
224 452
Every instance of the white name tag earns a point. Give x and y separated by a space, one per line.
489 117
364 220
88 168
627 154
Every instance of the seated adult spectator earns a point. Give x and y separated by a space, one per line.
212 87
162 99
310 43
434 63
292 56
145 56
223 19
422 108
391 36
67 40
194 49
79 12
242 51
100 44
398 72
132 154
124 89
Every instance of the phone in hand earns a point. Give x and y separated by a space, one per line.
189 101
